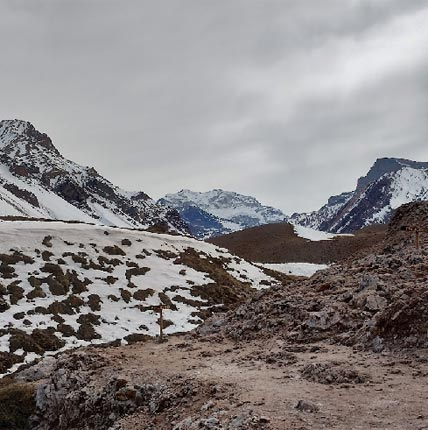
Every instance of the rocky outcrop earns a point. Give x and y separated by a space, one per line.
81 391
377 300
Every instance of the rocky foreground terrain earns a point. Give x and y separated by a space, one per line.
345 349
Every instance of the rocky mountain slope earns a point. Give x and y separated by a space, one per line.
377 300
390 183
285 243
218 212
69 284
37 181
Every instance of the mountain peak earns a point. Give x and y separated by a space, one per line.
16 132
37 181
11 129
217 211
386 165
390 183
17 125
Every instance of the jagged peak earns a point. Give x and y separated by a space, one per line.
14 126
386 165
14 131
15 123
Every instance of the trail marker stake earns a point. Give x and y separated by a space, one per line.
417 231
160 309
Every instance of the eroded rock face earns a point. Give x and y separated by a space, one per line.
78 394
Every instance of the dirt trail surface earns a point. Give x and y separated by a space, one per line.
268 380
190 383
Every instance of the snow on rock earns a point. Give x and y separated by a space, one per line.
70 284
37 181
390 183
218 212
409 185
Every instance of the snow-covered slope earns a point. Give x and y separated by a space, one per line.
218 212
390 183
37 181
70 284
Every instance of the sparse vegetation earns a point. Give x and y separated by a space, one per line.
47 241
136 271
143 295
114 250
17 404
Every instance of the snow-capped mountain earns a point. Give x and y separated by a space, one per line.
218 212
66 285
37 181
390 183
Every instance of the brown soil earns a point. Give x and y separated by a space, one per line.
278 243
392 394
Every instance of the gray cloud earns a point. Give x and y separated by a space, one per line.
289 101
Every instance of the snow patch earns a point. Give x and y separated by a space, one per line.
315 235
296 269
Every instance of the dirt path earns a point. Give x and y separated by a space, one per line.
266 378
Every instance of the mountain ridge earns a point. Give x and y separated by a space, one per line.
217 212
37 181
390 183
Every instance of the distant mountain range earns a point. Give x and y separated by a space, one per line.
37 181
390 183
219 212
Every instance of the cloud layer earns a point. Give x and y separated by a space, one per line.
289 101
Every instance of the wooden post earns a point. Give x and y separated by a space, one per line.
417 230
160 309
160 323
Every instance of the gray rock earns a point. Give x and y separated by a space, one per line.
368 281
377 344
210 423
307 406
375 302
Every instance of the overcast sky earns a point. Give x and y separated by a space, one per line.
289 101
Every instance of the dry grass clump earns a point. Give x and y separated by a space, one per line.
17 405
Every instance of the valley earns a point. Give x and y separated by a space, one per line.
207 310
345 348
